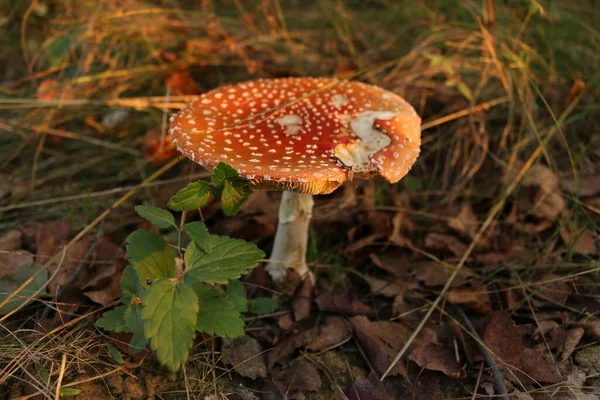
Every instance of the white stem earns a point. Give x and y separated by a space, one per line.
291 239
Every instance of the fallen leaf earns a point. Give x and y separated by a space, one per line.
49 238
366 389
557 290
548 205
393 261
362 243
538 176
537 368
465 222
444 242
381 341
288 346
476 299
335 330
401 229
592 329
301 375
10 262
434 357
11 240
244 354
302 301
503 339
571 341
581 242
342 302
584 186
388 288
435 274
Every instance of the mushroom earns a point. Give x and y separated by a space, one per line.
304 136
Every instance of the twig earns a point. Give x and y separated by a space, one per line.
61 375
498 376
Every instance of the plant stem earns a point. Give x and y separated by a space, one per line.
291 239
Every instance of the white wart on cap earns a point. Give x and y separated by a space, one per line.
307 135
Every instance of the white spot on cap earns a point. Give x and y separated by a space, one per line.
292 124
339 100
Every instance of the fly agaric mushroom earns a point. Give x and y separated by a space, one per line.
304 136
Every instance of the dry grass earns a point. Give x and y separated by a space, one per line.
497 91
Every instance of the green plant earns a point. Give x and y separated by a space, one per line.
170 292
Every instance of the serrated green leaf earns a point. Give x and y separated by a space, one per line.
135 325
150 256
130 284
199 234
191 197
222 173
113 320
236 292
9 284
233 198
262 305
229 259
158 217
217 315
170 313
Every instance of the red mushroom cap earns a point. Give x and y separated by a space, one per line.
307 135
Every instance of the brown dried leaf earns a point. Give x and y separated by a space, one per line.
537 368
571 341
11 262
581 242
444 242
381 341
393 261
401 228
50 237
288 346
504 340
301 375
302 301
334 331
592 329
548 205
477 299
435 274
557 290
388 288
244 354
363 242
465 222
343 302
585 186
436 358
11 240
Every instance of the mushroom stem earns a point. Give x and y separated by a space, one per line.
291 239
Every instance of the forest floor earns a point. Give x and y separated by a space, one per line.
488 248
